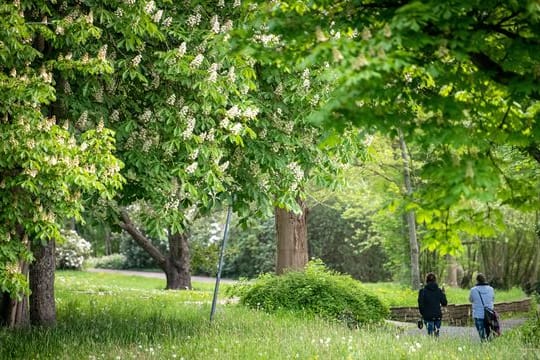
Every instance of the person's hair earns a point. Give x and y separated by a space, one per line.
481 278
430 277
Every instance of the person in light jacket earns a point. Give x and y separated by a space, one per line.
481 295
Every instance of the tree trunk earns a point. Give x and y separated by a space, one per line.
14 313
42 306
536 265
292 244
108 247
177 266
411 217
451 271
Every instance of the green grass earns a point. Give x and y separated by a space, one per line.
398 295
104 316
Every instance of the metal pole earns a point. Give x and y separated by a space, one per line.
220 264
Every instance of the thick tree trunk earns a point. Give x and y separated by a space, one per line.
42 306
292 243
176 264
411 217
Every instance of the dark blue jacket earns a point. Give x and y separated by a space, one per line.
430 299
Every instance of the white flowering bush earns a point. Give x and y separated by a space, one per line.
71 253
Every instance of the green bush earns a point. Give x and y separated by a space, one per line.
114 261
316 291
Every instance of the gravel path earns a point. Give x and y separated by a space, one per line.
454 331
158 275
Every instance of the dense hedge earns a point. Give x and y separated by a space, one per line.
316 291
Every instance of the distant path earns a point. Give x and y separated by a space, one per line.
454 331
158 275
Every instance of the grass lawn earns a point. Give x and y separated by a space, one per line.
104 316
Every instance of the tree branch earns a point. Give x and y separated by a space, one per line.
141 239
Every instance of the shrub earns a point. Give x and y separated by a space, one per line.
71 253
316 291
114 261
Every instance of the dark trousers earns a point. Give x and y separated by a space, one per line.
481 327
433 326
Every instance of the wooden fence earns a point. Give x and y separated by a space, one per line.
458 314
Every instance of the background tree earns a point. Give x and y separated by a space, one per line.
458 79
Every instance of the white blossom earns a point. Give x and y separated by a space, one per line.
157 16
167 22
337 55
181 49
224 166
366 34
191 168
213 72
119 12
233 112
146 116
215 24
136 60
102 54
236 3
279 89
194 20
236 129
115 115
251 112
267 39
227 26
150 7
194 154
197 61
186 134
224 123
171 100
231 74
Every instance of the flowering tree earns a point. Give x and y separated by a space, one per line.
46 164
197 124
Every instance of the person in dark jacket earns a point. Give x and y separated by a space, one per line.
430 300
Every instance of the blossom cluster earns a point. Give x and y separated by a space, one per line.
71 253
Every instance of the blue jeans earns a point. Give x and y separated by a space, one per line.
481 327
433 326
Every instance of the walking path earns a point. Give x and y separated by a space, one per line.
158 275
410 329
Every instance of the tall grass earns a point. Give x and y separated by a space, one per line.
132 319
